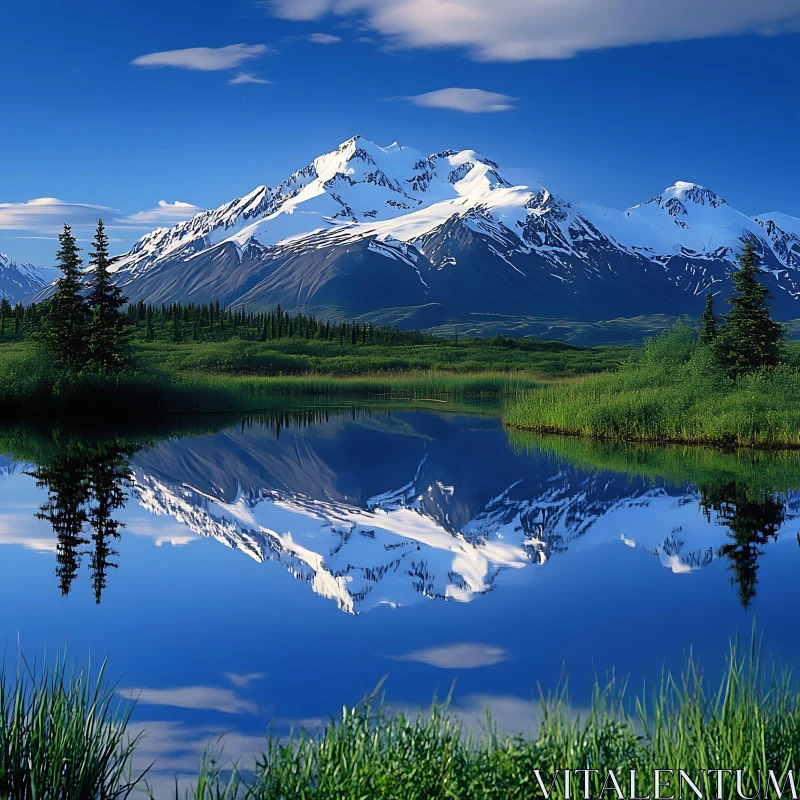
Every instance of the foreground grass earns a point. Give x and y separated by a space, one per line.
53 737
62 738
245 376
671 392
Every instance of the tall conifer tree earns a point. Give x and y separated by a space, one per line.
708 322
749 338
66 331
107 334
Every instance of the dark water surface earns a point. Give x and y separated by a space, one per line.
266 572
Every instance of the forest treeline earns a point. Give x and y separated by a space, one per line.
88 324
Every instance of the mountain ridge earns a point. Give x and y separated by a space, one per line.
365 228
19 280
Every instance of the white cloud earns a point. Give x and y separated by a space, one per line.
163 215
205 59
517 30
468 655
509 713
48 214
473 101
171 750
240 681
323 38
208 698
23 529
299 9
247 77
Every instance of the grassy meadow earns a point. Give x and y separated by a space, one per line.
671 391
62 735
239 375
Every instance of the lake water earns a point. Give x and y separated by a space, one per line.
257 573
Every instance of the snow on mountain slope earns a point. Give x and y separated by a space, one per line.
17 281
784 233
686 219
410 195
790 225
365 228
355 182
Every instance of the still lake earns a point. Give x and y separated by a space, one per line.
242 574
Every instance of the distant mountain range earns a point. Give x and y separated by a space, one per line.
18 281
387 233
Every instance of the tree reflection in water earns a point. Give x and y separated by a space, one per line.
86 485
753 519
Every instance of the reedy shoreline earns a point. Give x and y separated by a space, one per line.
63 731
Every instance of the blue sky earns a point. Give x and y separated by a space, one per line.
112 109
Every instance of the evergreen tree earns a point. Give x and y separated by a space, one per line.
748 338
107 334
177 331
753 519
150 333
708 322
67 318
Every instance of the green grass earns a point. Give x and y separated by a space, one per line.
62 737
302 357
55 734
238 376
670 392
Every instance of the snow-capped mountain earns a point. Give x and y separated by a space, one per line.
391 512
18 281
366 228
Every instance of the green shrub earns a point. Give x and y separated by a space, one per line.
671 391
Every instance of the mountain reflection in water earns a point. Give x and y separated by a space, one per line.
387 508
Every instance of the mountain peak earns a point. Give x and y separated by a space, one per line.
17 281
447 229
675 199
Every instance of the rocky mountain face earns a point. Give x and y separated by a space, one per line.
392 511
18 281
366 229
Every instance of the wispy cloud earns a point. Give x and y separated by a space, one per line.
208 698
205 59
473 101
170 751
323 38
49 214
164 214
247 77
467 655
299 9
20 529
240 681
517 30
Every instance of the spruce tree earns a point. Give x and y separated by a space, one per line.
107 333
748 339
150 333
66 331
708 322
177 332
